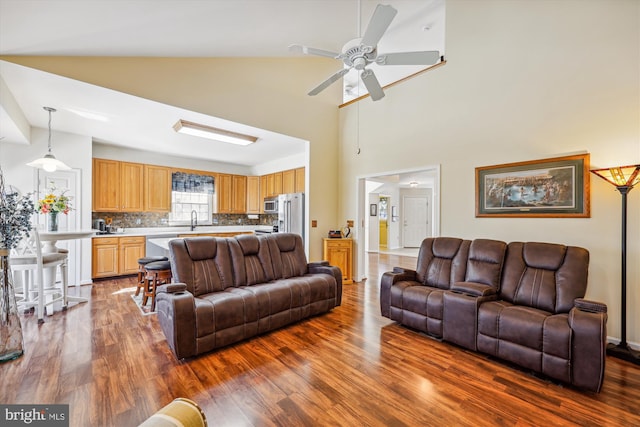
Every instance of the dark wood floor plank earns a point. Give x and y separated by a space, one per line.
348 367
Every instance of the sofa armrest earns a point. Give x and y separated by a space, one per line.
177 317
386 282
588 352
324 267
473 289
590 306
171 288
319 263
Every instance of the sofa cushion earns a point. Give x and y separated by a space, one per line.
417 306
287 253
442 261
202 263
546 276
486 258
251 260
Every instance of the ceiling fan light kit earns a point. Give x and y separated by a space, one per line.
49 162
216 134
359 53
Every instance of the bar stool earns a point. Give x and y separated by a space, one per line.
156 273
141 273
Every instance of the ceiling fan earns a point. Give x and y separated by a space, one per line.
361 52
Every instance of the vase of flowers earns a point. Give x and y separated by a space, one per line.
15 223
52 204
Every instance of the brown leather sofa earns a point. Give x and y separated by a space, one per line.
521 302
229 289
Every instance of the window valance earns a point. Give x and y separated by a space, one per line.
192 183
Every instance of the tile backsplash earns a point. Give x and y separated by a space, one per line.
152 219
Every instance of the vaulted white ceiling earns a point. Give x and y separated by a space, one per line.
183 28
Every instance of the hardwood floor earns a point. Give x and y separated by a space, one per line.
349 367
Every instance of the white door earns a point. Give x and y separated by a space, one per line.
416 224
69 181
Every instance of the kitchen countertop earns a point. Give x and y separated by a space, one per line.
158 231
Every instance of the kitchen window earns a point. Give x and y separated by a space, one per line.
191 192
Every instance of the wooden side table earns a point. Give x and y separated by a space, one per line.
339 252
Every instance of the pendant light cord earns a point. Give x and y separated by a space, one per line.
50 110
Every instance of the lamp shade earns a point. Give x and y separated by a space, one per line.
49 162
620 176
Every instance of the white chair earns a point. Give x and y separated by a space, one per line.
29 260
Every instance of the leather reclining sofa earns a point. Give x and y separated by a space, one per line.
226 290
520 302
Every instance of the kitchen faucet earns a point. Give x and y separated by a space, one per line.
194 220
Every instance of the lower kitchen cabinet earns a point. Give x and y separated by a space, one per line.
339 252
116 256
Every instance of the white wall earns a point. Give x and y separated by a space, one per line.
524 80
75 151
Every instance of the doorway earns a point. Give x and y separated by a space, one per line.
407 205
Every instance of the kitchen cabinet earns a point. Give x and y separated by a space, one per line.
117 186
104 260
116 256
239 191
293 181
277 183
157 189
339 252
106 185
231 193
130 249
254 202
264 190
288 181
224 192
131 187
300 180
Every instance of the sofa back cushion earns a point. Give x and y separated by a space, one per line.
287 253
202 263
442 261
486 258
251 260
545 276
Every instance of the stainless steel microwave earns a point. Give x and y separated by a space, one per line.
270 205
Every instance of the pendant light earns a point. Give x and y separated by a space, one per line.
49 161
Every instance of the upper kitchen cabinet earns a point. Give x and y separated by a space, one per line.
300 183
106 185
231 193
239 200
254 201
157 194
224 192
117 186
131 187
289 181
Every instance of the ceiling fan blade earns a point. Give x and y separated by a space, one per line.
312 51
380 21
325 84
372 84
428 57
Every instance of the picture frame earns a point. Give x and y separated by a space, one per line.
394 213
557 187
373 209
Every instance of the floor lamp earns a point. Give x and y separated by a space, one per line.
624 178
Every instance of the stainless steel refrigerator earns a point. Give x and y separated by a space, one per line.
291 213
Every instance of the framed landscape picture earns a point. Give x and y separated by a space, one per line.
557 187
